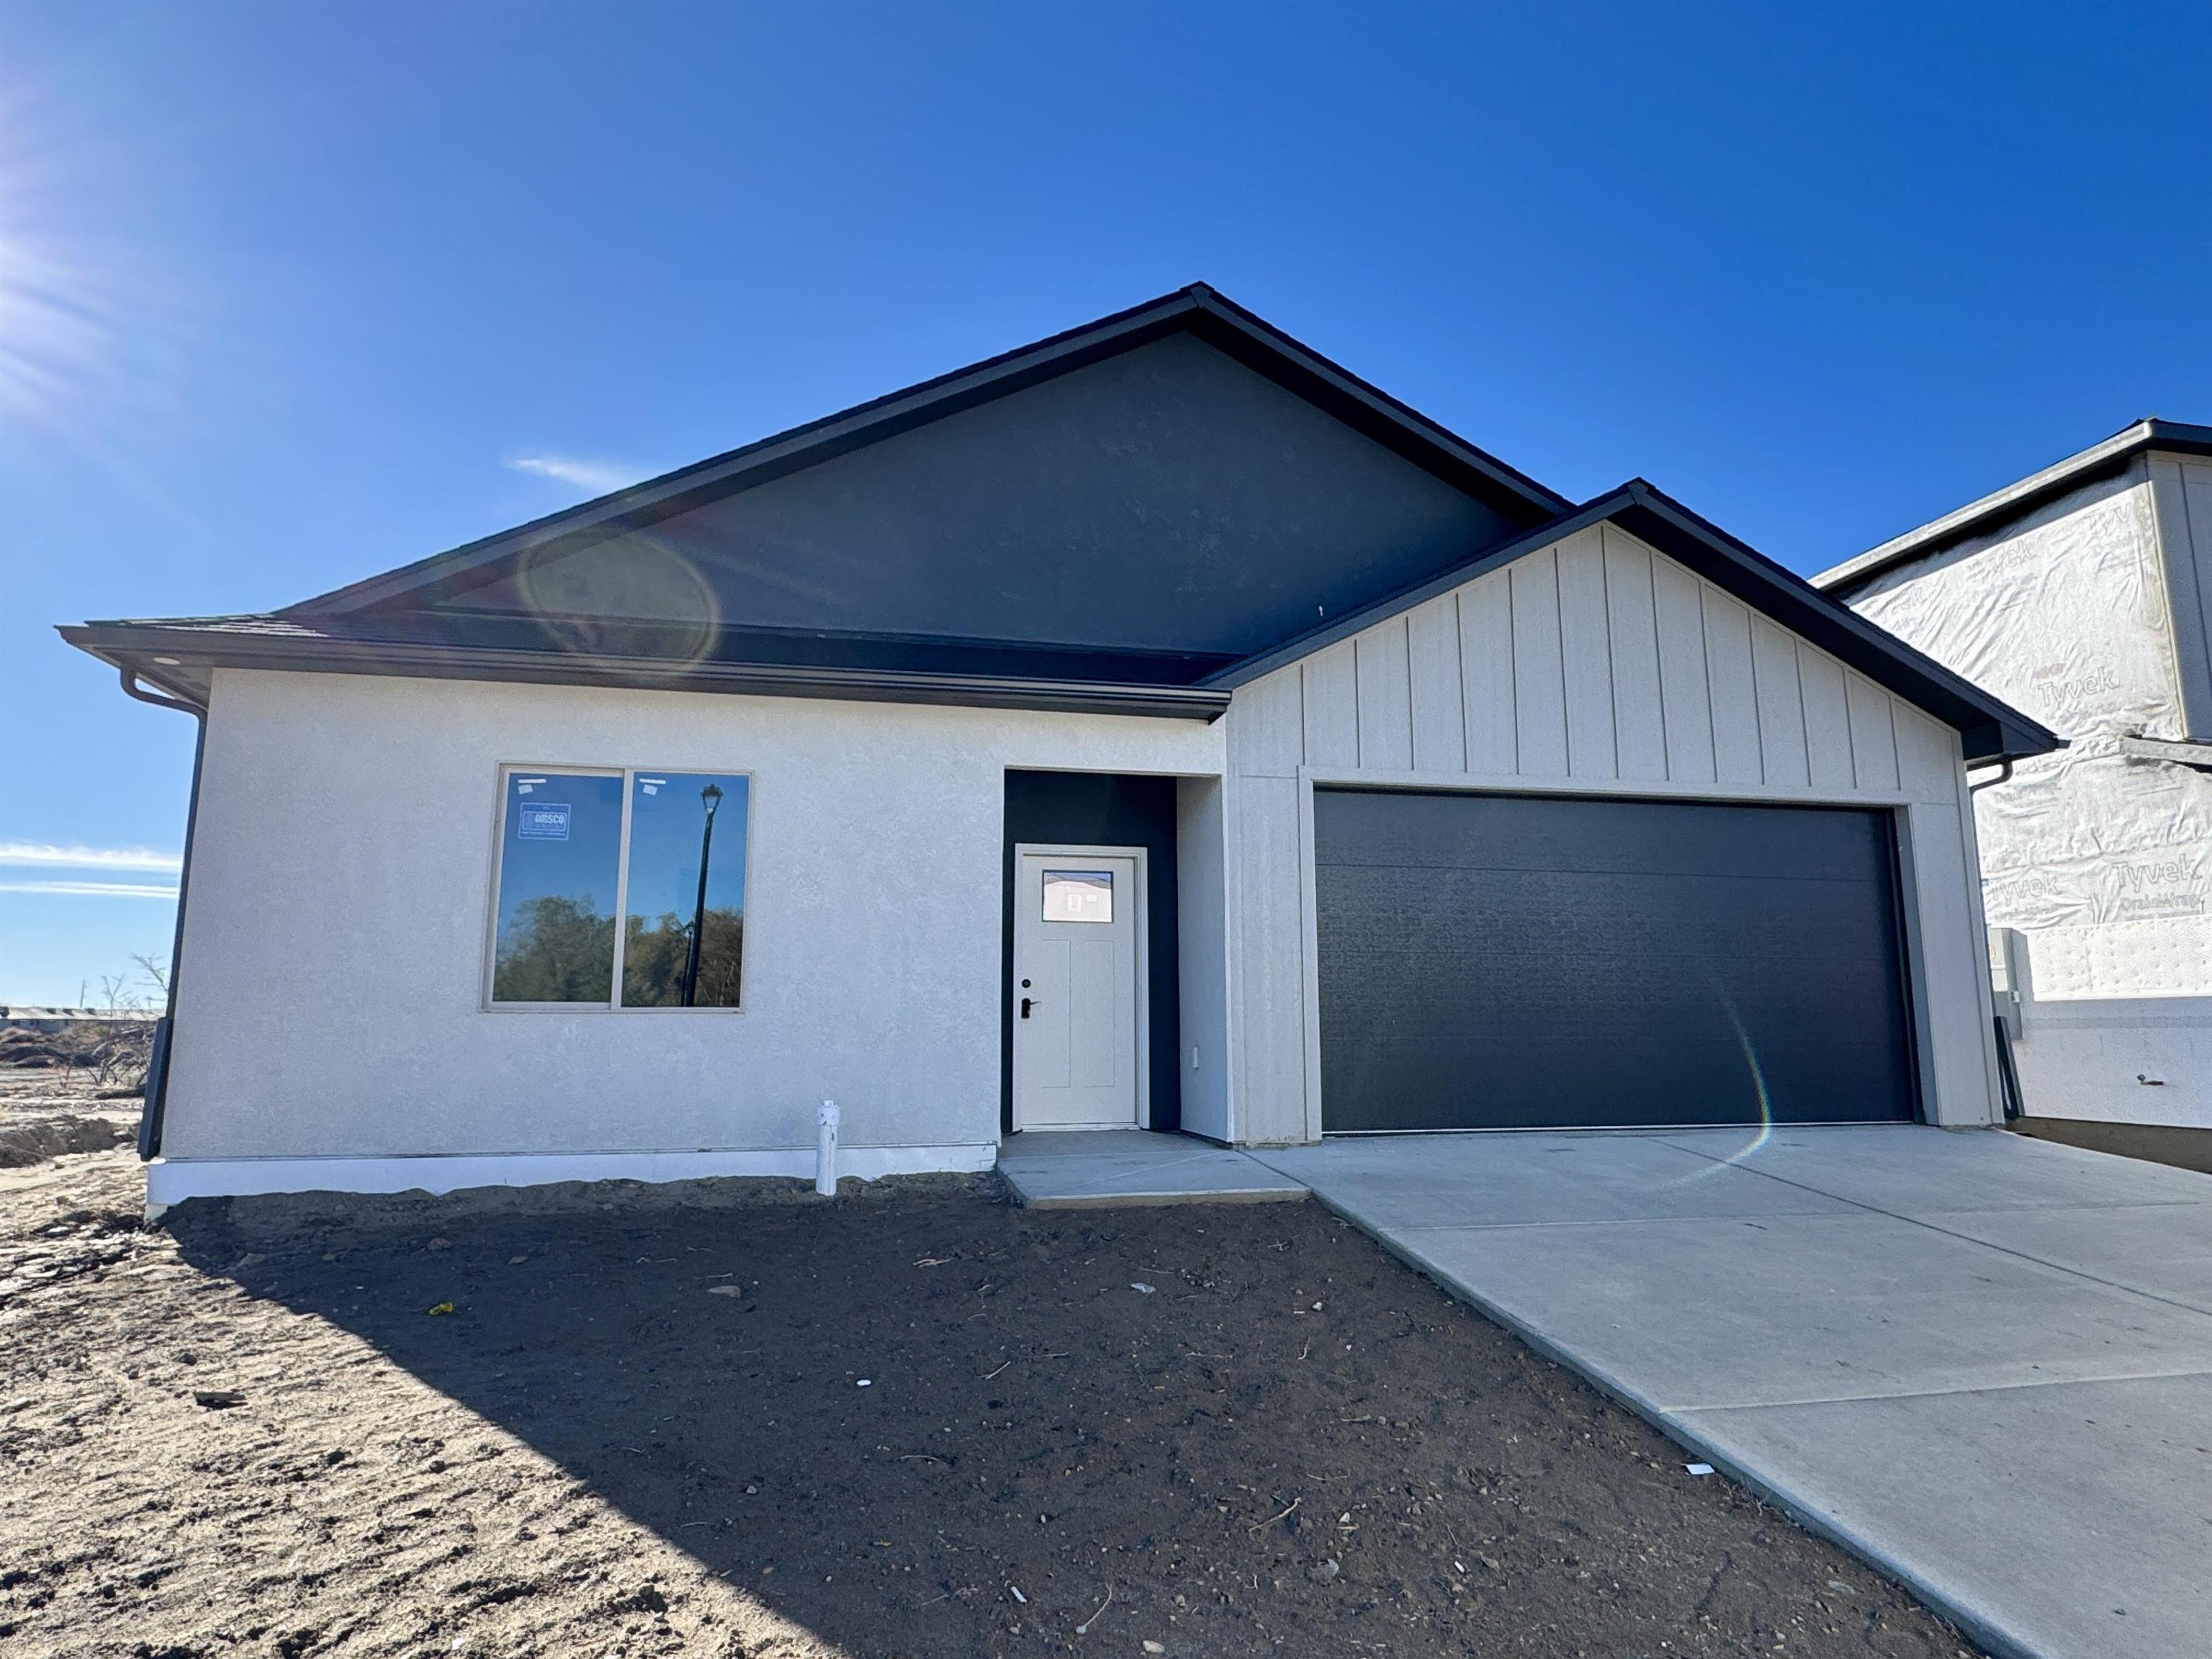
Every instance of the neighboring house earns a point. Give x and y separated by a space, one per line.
1153 727
2084 594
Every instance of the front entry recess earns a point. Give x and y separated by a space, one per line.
1078 948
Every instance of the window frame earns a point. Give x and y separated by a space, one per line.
614 1004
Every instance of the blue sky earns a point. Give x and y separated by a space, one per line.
290 294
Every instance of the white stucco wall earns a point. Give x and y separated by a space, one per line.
330 1007
2087 613
330 1001
1598 665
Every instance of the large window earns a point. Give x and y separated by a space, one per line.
663 851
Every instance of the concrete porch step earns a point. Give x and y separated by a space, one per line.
1099 1169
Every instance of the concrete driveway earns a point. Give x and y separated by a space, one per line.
1982 1361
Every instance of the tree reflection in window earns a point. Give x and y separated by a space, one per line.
560 845
684 927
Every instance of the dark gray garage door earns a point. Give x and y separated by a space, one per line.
1517 961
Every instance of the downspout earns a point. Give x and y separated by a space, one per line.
2004 776
157 1061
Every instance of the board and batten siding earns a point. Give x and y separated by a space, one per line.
1596 665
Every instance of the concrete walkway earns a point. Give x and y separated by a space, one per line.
1984 1362
1097 1169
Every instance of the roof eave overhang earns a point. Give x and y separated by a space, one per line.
1989 730
2113 456
193 658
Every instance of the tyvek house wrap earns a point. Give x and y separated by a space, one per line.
2103 862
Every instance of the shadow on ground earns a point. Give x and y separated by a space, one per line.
918 1421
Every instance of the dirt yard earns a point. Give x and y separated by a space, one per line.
46 1112
914 1421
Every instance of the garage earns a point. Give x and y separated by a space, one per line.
1506 962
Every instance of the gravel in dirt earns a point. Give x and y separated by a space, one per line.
734 1420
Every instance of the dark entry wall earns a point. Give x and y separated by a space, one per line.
1098 809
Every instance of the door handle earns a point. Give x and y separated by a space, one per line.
1026 1001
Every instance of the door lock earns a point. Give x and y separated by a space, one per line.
1026 1001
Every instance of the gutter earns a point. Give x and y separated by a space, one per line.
422 660
156 1101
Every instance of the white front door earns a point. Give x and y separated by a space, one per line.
1079 930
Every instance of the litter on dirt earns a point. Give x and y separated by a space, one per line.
1084 1629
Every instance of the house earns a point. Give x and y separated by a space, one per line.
1154 727
2084 594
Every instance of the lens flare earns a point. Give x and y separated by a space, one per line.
1764 1130
651 602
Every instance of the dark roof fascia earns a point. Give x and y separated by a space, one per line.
195 653
1197 309
634 639
2016 500
1990 730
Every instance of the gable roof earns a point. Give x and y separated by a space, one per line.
1131 505
1196 311
1990 730
2017 500
1447 514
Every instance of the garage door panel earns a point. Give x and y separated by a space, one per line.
1457 1084
1496 962
1629 838
1571 925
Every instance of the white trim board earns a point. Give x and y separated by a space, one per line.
172 1181
1522 783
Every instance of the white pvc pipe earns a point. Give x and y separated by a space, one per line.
825 1150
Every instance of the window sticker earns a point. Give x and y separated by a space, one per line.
542 821
559 863
1078 896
